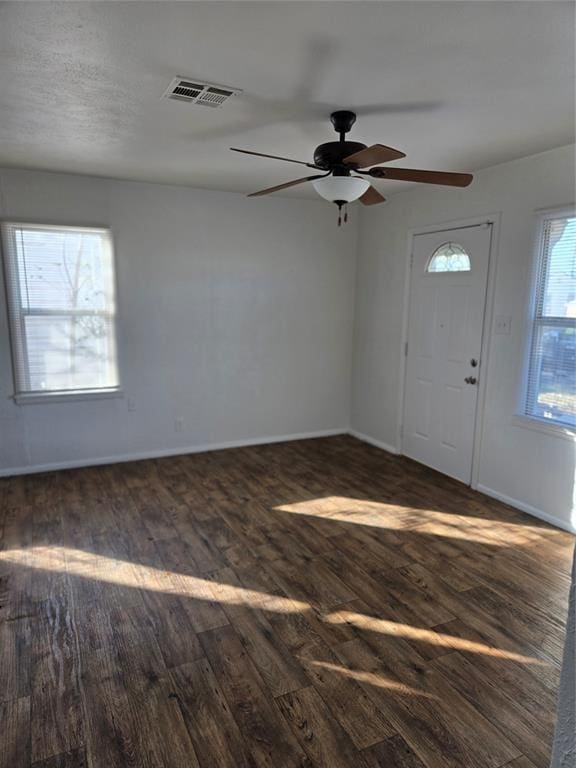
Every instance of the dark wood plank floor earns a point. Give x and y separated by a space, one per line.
317 603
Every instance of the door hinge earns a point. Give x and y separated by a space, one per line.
405 349
411 260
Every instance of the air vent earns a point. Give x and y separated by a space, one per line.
204 94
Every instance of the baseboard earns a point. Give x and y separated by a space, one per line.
533 511
373 441
162 452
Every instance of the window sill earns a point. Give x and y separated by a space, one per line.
548 428
66 397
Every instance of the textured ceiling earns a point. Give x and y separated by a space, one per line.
455 85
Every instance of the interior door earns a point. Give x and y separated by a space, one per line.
443 367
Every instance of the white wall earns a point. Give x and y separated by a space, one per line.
532 469
236 316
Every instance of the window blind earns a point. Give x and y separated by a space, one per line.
61 305
551 385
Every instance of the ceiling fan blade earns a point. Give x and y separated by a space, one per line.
276 157
377 153
371 197
269 190
424 177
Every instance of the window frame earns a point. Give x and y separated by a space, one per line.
16 334
522 417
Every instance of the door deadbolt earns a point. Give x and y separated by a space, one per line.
473 362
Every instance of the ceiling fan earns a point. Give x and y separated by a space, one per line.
342 160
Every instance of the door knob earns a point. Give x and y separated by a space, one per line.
470 380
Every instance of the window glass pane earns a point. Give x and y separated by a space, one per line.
63 269
449 257
62 307
551 386
67 353
553 375
559 290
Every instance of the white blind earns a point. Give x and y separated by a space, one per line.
60 286
551 390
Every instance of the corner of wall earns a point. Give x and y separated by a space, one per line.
357 242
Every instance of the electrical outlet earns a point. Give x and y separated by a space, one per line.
502 324
178 424
131 404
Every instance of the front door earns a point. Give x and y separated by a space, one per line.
443 367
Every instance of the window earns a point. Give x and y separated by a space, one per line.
60 285
449 257
551 383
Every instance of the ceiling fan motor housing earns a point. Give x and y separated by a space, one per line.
329 156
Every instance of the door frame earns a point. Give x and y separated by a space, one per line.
489 219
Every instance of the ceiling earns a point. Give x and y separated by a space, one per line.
455 85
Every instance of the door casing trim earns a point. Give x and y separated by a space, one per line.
493 220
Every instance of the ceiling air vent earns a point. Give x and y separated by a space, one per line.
194 92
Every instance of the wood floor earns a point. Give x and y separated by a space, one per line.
316 603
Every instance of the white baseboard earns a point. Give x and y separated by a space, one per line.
162 452
527 508
373 441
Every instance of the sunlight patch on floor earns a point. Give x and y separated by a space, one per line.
405 631
88 565
496 533
373 679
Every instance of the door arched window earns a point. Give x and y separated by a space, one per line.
449 257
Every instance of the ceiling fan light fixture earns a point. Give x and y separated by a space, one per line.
343 189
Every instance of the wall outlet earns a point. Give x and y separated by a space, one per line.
131 404
502 324
178 424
